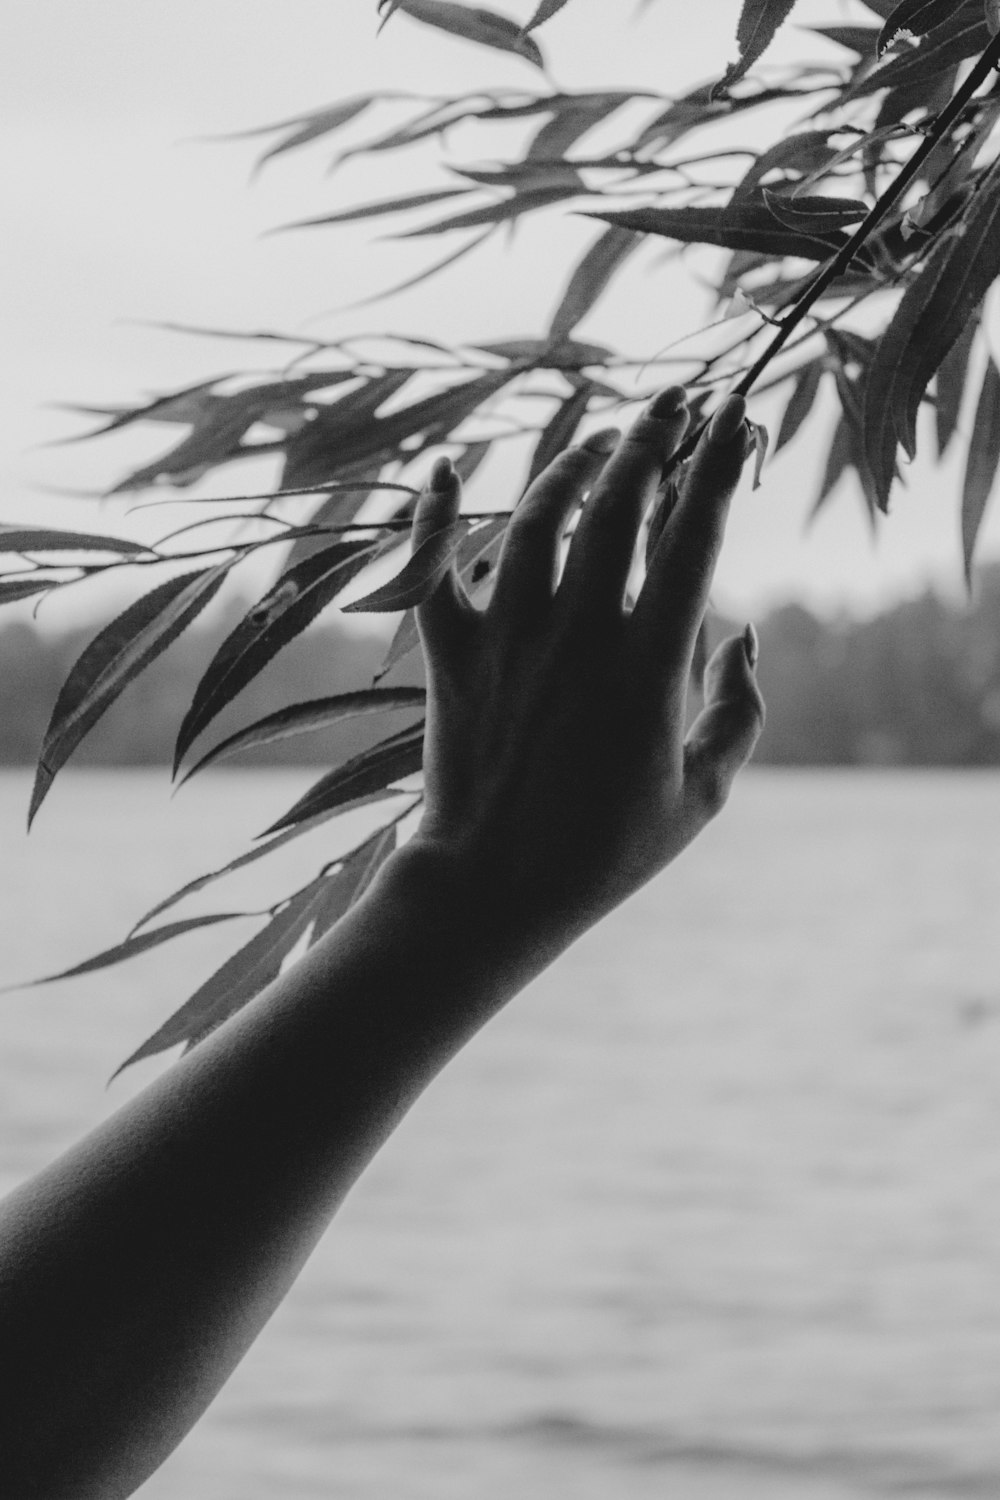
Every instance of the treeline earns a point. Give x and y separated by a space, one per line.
918 685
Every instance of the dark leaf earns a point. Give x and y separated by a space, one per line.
559 432
115 658
306 718
288 607
12 589
574 116
801 402
419 578
474 25
915 18
933 312
355 875
262 850
132 947
240 978
807 152
47 539
373 770
759 20
951 379
983 461
837 463
435 417
814 215
922 66
859 39
742 226
479 549
546 10
590 278
316 452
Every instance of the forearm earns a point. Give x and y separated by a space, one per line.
136 1271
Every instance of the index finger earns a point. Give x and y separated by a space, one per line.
670 607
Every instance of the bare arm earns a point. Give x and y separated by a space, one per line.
139 1267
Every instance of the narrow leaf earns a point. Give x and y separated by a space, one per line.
417 579
743 226
288 607
12 589
814 215
239 979
759 20
801 402
546 10
262 850
915 18
474 562
132 947
47 539
983 461
951 381
307 718
560 430
372 770
115 658
932 313
590 278
475 25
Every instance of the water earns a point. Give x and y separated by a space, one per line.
712 1211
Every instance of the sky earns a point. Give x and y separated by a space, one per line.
120 215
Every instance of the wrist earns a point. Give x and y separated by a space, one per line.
471 907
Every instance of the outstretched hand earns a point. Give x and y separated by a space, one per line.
558 777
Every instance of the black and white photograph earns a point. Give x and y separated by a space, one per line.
500 750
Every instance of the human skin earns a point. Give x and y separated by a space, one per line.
138 1268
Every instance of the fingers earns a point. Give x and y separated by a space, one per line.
529 561
603 547
675 593
447 610
722 738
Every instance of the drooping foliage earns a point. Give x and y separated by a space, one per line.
857 251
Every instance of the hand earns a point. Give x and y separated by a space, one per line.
558 778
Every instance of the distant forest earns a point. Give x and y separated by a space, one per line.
918 685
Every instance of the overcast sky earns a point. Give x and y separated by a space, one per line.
115 214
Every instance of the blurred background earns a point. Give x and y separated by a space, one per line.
713 1210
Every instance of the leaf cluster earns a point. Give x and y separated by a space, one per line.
857 250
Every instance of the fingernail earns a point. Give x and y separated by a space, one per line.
442 474
603 442
751 645
668 403
728 420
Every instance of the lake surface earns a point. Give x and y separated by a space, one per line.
712 1212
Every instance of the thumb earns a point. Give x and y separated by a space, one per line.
722 738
